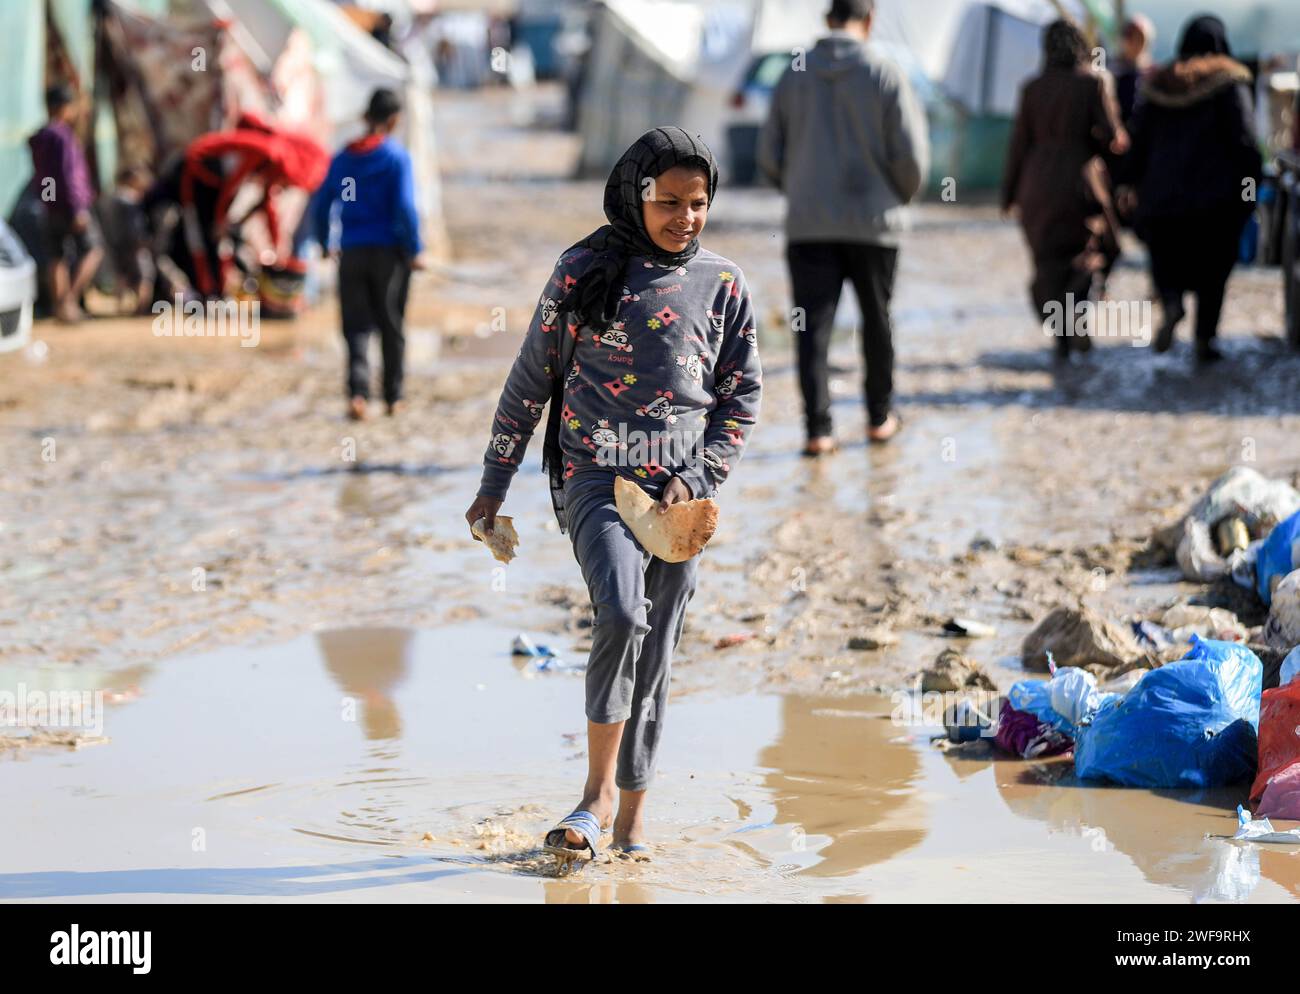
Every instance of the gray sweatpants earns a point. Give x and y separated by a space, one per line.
639 608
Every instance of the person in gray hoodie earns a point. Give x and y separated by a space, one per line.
846 141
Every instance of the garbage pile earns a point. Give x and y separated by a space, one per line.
1190 697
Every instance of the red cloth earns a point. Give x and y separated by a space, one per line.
1022 734
1279 754
274 158
367 144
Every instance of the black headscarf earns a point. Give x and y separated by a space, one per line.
594 298
1064 46
1204 35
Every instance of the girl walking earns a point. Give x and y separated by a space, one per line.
643 343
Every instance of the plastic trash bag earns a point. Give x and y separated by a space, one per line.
1279 754
1282 630
1074 696
1261 830
1243 493
1191 723
1290 667
1277 556
1062 703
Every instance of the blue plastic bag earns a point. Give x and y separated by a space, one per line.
1275 555
1192 723
1062 703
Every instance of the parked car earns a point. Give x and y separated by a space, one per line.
749 106
17 291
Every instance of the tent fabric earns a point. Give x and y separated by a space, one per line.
350 64
22 100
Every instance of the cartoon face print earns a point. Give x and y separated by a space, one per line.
615 337
711 459
534 409
748 335
603 436
727 385
693 364
661 408
716 321
574 369
550 308
504 445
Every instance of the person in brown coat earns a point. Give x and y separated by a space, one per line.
1056 178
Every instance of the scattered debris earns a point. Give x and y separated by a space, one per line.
1262 830
523 646
969 628
878 637
953 671
1185 620
736 638
1079 637
1241 496
1282 630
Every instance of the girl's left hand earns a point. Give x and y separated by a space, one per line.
675 492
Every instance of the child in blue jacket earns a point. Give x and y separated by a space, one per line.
371 180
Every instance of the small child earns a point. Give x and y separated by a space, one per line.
61 181
372 179
640 336
126 232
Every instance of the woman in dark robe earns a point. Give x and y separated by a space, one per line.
1195 163
1066 122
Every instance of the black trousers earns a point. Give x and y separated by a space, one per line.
373 284
817 274
1196 253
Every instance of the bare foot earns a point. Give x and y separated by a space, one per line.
396 408
884 431
819 445
629 834
357 409
69 313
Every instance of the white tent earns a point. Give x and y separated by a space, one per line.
639 75
977 53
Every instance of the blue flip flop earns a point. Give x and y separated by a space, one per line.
585 824
634 848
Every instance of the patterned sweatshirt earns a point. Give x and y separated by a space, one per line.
671 389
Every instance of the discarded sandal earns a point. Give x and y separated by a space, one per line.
585 824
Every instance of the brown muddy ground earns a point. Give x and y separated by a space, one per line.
171 497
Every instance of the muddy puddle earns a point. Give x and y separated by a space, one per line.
399 765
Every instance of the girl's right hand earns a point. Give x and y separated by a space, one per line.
483 507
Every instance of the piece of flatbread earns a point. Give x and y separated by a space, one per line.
503 538
674 536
